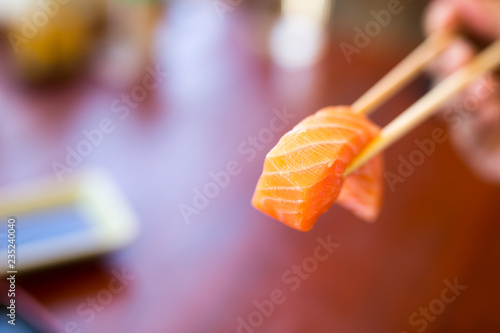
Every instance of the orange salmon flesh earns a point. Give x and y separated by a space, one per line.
303 173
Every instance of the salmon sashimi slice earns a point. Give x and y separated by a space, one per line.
303 173
362 191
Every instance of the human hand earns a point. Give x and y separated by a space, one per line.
473 118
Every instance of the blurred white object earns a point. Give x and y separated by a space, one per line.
58 222
299 36
316 10
296 42
11 10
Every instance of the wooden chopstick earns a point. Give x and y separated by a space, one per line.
488 60
403 73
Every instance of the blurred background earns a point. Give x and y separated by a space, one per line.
170 101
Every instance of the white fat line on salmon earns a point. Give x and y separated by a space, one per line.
319 194
363 37
294 171
282 213
329 162
283 188
337 127
264 199
248 148
307 126
319 145
454 116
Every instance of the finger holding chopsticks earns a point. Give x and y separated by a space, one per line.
487 61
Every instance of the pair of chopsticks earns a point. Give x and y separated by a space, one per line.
487 61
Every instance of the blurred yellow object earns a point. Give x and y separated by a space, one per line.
51 39
58 222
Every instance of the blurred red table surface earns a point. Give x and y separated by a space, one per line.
221 271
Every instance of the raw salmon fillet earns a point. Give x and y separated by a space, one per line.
303 173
